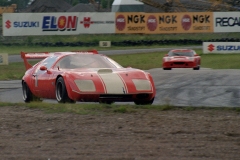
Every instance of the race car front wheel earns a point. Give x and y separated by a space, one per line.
27 94
141 102
61 92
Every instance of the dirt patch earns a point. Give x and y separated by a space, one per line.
145 135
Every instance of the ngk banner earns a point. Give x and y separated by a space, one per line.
221 47
22 24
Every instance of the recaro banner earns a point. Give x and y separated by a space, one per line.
226 22
162 23
22 24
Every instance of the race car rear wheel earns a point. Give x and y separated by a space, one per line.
141 102
196 68
61 92
27 94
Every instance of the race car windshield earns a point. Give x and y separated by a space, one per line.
87 61
188 54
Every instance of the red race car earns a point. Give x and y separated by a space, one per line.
84 77
181 58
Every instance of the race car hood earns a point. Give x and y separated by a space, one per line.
111 81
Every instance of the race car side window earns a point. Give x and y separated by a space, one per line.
48 62
113 62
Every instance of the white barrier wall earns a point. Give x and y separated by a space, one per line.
221 47
22 24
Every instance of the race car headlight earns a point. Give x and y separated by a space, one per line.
191 59
142 84
167 59
85 85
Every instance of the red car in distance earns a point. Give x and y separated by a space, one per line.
88 76
181 58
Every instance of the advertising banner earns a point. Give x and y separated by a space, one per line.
96 23
196 22
221 47
130 22
163 23
189 22
22 24
226 21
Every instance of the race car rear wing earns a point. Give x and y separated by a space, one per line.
33 55
41 55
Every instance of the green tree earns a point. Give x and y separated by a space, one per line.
20 3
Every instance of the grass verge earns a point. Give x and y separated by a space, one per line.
95 109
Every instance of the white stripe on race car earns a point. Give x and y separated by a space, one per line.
113 83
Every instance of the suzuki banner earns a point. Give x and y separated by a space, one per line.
22 24
221 47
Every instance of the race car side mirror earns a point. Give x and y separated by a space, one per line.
43 68
166 55
196 55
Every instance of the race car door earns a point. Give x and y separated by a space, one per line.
41 78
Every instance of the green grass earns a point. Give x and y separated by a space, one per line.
15 50
87 108
99 109
118 37
143 61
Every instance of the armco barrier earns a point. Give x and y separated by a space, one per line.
126 43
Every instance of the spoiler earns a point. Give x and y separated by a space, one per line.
94 51
41 55
33 55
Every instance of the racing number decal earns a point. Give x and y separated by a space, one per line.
35 79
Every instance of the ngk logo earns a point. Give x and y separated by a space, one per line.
120 22
186 22
211 47
152 23
8 24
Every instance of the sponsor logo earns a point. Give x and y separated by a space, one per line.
168 19
26 24
152 23
211 47
135 19
86 22
228 48
8 24
186 22
62 23
120 22
22 24
201 19
227 21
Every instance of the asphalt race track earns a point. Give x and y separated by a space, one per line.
177 87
